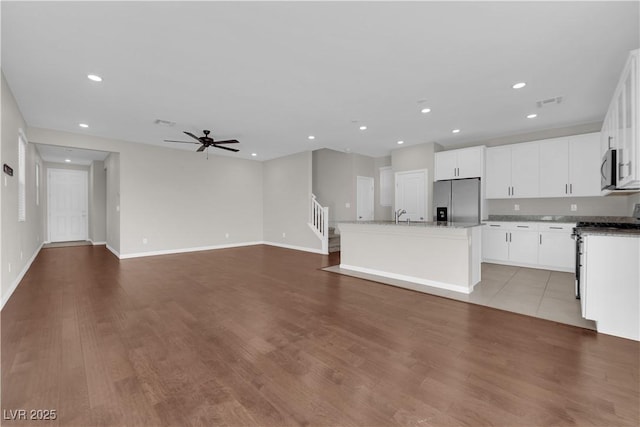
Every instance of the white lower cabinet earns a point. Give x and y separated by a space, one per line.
529 245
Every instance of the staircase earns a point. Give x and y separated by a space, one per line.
334 240
319 223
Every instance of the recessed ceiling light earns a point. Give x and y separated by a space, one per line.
311 137
67 160
455 131
363 128
425 110
83 125
253 154
400 142
94 77
532 116
519 85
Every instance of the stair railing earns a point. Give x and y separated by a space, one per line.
319 222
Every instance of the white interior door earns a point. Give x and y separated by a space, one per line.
67 205
411 194
364 198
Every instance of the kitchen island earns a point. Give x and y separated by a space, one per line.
441 255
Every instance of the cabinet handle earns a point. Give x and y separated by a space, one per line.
620 175
494 225
509 236
513 191
565 189
522 226
541 239
555 228
610 138
570 188
506 237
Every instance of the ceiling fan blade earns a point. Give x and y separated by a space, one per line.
228 141
201 149
192 135
226 148
182 142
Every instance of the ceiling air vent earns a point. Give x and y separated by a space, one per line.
549 102
164 123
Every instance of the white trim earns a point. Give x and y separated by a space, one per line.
183 250
412 279
297 248
97 243
18 279
113 251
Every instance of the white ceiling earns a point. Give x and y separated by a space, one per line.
76 156
270 74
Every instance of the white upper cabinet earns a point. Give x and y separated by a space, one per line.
462 163
569 166
584 165
554 168
621 129
513 171
498 173
525 170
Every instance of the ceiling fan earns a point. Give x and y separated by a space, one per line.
206 141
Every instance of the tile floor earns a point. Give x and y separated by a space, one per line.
539 293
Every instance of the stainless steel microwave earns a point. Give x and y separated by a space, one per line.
608 168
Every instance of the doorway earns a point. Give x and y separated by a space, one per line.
67 205
364 198
411 194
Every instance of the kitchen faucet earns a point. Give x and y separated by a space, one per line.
398 214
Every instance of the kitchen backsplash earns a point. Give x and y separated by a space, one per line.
613 205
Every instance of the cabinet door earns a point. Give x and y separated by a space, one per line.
627 115
557 250
523 246
498 173
584 165
470 162
445 165
554 168
525 170
495 245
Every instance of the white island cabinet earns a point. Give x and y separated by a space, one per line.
421 253
610 283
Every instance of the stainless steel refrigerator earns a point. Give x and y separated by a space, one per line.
457 200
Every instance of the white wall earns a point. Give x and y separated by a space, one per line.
97 202
287 193
176 199
112 219
20 240
381 213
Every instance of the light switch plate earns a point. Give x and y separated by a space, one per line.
516 207
574 207
347 205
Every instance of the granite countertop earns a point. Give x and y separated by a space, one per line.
421 224
557 218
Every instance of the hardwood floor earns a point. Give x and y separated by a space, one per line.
260 336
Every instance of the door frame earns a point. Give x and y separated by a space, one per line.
86 198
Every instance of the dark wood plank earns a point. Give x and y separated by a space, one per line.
261 336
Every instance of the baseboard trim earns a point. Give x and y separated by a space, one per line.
113 251
19 278
97 243
297 248
183 250
418 282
